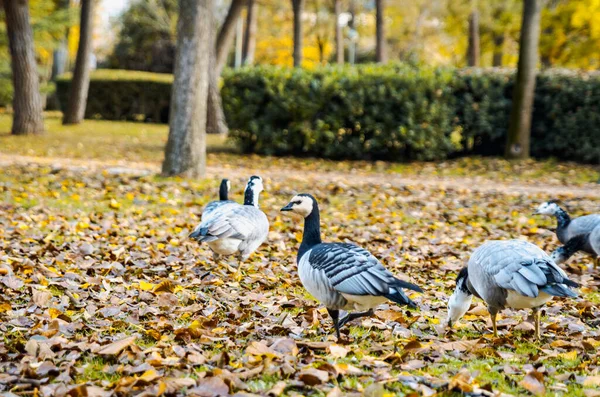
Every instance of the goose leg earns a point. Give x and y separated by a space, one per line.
335 316
493 315
238 275
353 316
536 315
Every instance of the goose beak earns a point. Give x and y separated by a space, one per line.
287 207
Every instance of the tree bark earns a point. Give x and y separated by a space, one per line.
380 47
27 101
215 117
80 83
185 153
519 132
473 48
498 49
227 33
339 38
250 34
298 7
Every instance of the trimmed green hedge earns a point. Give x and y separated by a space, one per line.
398 112
393 112
123 95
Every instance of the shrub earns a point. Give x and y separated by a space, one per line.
397 112
364 112
123 95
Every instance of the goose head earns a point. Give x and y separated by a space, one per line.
303 204
547 208
460 300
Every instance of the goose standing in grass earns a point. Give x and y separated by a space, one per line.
210 208
511 273
342 276
236 229
589 243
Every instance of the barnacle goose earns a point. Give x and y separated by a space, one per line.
589 243
342 276
223 200
566 227
236 229
510 273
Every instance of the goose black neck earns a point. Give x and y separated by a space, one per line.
462 281
575 244
312 231
562 218
223 191
250 198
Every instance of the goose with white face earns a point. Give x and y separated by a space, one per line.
301 204
547 208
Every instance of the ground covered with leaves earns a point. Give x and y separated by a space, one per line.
104 294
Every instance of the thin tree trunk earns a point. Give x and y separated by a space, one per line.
216 122
380 47
498 49
227 33
80 84
519 132
298 7
473 48
250 35
185 153
27 102
339 39
215 117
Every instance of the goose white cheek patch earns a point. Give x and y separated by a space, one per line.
458 305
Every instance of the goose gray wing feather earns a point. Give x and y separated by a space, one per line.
519 266
583 225
214 206
594 240
351 269
242 222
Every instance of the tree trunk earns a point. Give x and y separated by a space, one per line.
250 35
519 132
227 33
339 38
80 84
27 102
185 153
380 50
473 48
498 49
216 122
298 7
215 117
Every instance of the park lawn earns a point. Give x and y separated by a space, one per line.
145 142
101 281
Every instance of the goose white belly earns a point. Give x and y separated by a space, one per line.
317 284
518 301
225 246
363 302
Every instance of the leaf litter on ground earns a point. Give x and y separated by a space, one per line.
103 294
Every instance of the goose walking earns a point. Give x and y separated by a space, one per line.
210 208
589 243
339 275
511 273
236 229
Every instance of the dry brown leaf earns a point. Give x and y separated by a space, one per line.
534 383
337 351
277 389
118 346
313 376
210 387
